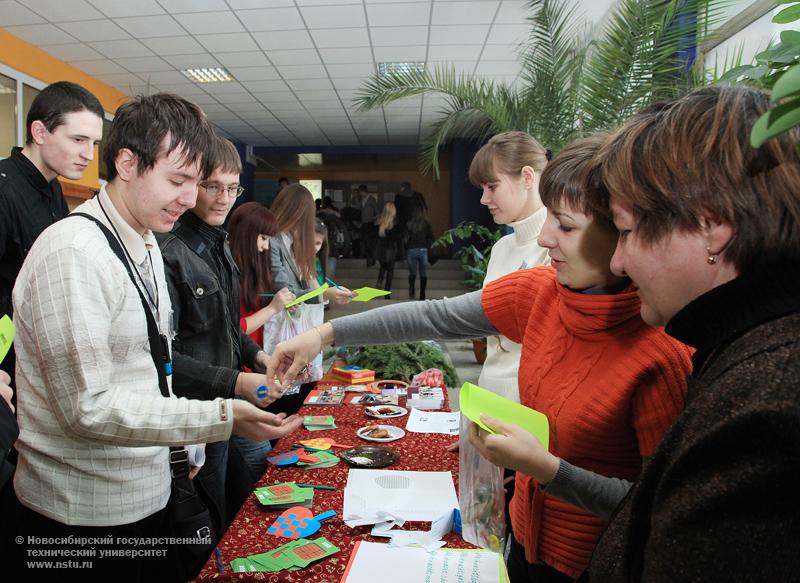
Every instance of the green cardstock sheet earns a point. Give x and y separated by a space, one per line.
307 296
474 400
6 336
365 294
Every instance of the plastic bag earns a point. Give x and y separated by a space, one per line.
481 496
284 326
431 377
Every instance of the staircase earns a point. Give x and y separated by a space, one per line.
445 279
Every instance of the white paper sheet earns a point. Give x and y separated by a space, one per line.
427 539
374 561
372 494
433 422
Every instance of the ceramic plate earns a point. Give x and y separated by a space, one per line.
370 456
385 411
394 433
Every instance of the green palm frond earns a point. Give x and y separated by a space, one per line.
637 59
567 86
474 108
550 66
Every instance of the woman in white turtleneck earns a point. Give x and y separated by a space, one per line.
507 169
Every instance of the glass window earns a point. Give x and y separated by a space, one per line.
8 115
28 95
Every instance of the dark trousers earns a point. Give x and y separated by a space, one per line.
385 275
521 571
62 561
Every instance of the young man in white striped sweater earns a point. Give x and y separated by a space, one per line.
94 426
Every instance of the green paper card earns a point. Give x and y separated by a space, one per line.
326 459
6 336
319 421
311 550
307 296
242 566
365 294
474 400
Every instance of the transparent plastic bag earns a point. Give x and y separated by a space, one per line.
481 496
284 326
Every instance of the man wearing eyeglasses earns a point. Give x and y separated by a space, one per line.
209 348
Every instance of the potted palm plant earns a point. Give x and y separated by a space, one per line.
570 84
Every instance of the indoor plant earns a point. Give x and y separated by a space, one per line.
474 256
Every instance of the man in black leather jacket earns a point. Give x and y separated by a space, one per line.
209 348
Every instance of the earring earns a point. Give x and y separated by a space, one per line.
712 259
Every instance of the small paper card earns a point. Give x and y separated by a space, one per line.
474 400
314 550
318 422
284 459
326 460
365 294
285 494
309 295
6 336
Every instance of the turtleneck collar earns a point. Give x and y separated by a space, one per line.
762 293
529 228
587 314
211 234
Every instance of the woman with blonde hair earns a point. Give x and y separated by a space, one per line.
388 241
508 169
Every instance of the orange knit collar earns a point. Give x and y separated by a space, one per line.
586 314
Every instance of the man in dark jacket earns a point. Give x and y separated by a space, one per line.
210 349
64 124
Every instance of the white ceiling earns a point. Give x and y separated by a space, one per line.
297 63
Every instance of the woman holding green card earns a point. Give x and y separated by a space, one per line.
609 384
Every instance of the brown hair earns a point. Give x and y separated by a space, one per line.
225 157
507 153
247 222
569 175
295 212
322 255
676 161
142 124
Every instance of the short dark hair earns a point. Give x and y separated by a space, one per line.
283 179
55 101
142 124
572 178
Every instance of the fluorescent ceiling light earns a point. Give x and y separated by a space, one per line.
398 67
208 75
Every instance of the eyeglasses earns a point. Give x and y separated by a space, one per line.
215 189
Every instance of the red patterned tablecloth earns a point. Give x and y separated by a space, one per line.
246 535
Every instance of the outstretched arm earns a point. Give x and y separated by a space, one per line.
448 319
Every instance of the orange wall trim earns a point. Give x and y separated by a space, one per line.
78 191
33 61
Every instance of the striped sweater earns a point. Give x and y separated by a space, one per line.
609 384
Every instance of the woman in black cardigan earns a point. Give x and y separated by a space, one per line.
710 232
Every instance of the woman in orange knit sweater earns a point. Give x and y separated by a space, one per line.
609 384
